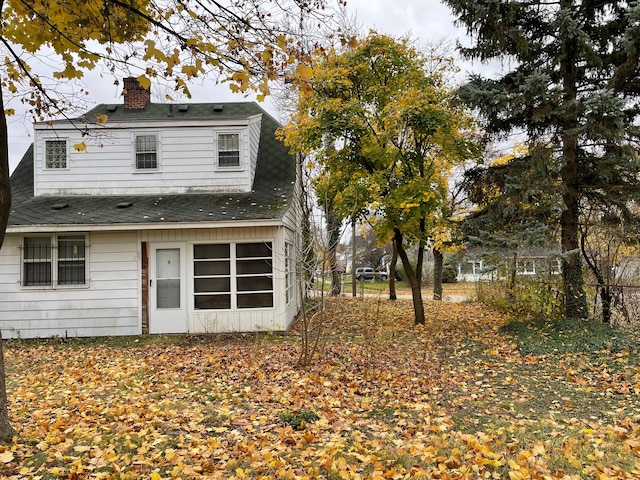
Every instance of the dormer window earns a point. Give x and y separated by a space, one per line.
228 150
55 154
146 152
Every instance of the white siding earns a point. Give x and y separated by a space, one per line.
108 306
254 145
111 303
186 158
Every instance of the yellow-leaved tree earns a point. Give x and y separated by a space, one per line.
247 43
396 131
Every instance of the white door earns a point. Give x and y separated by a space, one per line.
167 288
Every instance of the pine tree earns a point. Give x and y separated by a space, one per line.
573 87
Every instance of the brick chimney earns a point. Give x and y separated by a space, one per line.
135 96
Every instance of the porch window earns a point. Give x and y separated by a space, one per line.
228 150
233 276
54 260
146 152
55 152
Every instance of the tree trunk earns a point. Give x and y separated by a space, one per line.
416 292
575 299
606 298
420 261
513 275
438 265
333 230
6 431
392 272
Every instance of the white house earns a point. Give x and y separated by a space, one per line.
176 219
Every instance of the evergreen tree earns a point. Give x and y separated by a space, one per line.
573 88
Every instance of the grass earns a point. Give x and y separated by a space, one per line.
467 395
373 287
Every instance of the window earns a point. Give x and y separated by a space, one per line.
290 272
37 261
146 153
528 267
55 154
228 150
233 276
46 263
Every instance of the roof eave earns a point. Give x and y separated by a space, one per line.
103 227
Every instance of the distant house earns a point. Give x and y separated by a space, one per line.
474 267
183 220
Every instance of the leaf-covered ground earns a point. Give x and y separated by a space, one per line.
452 399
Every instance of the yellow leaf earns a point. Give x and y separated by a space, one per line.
6 457
80 147
144 82
9 111
102 119
155 476
304 72
282 42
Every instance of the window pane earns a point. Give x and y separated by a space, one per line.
212 251
229 141
71 247
249 284
38 273
37 248
37 261
262 249
168 293
254 266
212 302
229 159
208 285
203 269
255 300
56 154
71 273
146 156
168 263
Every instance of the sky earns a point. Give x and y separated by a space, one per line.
425 21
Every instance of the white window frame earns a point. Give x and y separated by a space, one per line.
527 267
66 153
289 272
54 258
240 165
234 291
134 143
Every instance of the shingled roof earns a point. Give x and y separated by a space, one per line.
272 191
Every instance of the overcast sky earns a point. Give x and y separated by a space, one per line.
426 21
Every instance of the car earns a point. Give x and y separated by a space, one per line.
364 273
381 275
